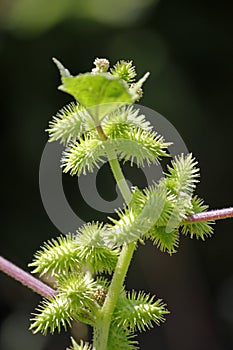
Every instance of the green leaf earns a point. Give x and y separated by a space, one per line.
100 93
63 71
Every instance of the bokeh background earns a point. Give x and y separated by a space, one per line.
188 48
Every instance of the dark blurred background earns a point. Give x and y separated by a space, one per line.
188 48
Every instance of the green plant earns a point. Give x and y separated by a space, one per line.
103 123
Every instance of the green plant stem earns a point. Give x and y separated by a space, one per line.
101 331
116 169
120 179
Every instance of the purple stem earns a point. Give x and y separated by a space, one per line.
43 289
26 279
211 215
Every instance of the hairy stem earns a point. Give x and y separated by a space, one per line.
211 215
25 278
116 169
120 179
101 331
